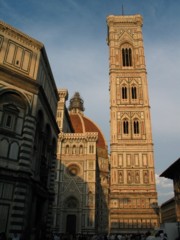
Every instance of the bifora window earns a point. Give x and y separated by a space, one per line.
134 92
136 127
127 57
124 92
125 127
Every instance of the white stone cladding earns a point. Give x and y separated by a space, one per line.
132 185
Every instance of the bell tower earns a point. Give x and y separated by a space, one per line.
133 198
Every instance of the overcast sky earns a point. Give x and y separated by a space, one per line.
74 34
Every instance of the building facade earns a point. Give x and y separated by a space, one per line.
82 179
133 197
172 172
168 211
28 135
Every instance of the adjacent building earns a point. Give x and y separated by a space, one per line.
133 196
172 172
168 211
28 135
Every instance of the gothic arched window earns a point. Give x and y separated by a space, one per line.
67 149
81 149
125 126
136 127
127 57
124 92
134 92
74 149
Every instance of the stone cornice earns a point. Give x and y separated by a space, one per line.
18 35
126 19
88 136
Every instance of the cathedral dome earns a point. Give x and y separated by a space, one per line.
82 124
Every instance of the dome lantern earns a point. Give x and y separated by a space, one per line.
76 103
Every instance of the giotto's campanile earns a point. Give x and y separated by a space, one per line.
133 196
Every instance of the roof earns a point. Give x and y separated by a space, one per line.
8 29
172 171
82 124
170 201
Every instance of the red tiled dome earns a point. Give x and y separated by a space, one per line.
82 124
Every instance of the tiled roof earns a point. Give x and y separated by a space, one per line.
172 171
82 124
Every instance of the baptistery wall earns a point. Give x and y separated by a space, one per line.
28 135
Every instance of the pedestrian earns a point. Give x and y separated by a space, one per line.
149 236
56 236
165 237
15 236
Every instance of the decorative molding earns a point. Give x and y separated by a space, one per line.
134 19
19 36
1 41
88 136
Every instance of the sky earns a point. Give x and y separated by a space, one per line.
74 34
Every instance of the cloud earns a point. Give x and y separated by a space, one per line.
163 79
164 189
163 182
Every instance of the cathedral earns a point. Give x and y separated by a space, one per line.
82 173
56 174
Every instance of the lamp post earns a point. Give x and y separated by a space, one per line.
156 208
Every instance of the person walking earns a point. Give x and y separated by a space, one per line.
15 236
